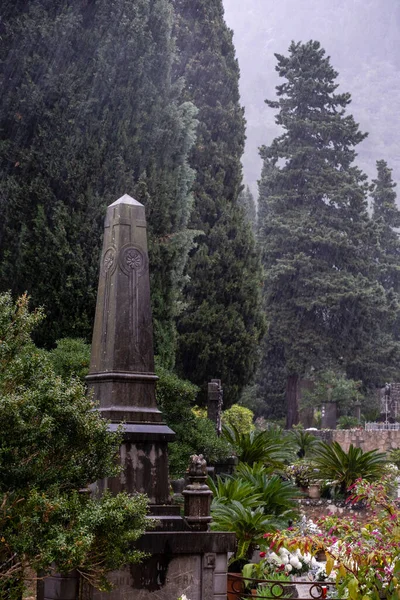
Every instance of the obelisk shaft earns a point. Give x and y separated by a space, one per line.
121 372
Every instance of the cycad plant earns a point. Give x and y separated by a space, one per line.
303 441
269 447
229 488
277 497
249 524
250 503
344 468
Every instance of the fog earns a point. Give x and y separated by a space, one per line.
362 39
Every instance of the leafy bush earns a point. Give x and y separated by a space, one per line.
330 386
52 443
301 473
71 358
239 417
347 422
194 435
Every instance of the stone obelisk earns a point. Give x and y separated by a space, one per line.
121 374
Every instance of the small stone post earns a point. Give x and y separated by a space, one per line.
197 495
214 403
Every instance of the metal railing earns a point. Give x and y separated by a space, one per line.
241 587
382 426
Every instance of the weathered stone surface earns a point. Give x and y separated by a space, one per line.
121 375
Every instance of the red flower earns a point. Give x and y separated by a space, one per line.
263 554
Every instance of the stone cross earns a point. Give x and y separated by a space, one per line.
121 375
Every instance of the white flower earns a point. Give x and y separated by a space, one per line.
283 551
294 561
274 558
288 568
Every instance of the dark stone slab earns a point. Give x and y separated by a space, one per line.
197 542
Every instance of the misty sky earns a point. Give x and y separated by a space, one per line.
361 37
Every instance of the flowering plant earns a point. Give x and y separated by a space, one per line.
291 563
365 556
301 473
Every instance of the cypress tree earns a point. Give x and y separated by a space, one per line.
246 201
89 112
221 322
386 215
323 301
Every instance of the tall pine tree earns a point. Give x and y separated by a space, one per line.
387 218
324 304
89 112
221 323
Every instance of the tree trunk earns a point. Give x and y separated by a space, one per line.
292 416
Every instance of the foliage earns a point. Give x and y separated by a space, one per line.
264 569
301 473
194 435
229 488
330 386
268 447
52 444
304 441
251 398
71 358
249 525
238 417
255 486
293 563
324 303
90 111
249 500
277 497
364 556
344 468
387 216
394 457
246 200
221 322
347 422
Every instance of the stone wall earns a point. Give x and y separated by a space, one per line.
384 441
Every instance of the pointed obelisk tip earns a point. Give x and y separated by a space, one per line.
126 199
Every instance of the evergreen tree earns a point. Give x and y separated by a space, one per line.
89 112
323 301
387 217
221 322
246 200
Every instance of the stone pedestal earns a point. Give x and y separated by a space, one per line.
181 563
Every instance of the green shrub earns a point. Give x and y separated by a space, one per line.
194 435
347 422
52 443
71 358
239 417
